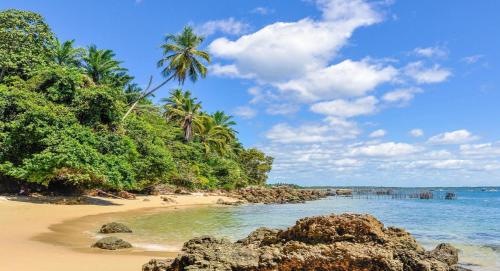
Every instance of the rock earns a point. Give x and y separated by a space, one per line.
112 243
167 199
181 192
279 195
114 227
156 265
346 242
343 192
234 203
126 195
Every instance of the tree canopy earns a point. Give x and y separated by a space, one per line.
62 125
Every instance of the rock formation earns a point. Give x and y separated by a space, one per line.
112 243
346 242
114 227
278 195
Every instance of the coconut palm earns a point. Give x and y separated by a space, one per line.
101 65
223 120
213 137
181 59
177 97
67 55
184 114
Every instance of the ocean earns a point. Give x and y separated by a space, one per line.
471 222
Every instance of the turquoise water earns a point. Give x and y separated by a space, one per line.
471 222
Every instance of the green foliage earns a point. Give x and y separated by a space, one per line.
61 124
25 42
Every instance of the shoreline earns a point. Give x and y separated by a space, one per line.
38 236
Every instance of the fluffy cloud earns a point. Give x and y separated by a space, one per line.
377 133
401 96
345 79
435 51
417 132
265 54
481 150
426 75
388 149
344 108
227 26
332 129
245 112
455 137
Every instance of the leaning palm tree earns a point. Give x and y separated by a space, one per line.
101 65
67 55
184 114
181 59
213 137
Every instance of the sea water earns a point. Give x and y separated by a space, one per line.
471 222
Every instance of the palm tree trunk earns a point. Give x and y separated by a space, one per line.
146 93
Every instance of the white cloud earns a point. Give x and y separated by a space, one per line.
388 149
481 150
332 129
262 10
282 109
347 162
455 137
226 70
472 59
378 133
245 112
345 79
401 96
417 132
266 53
229 26
450 164
344 108
425 75
435 51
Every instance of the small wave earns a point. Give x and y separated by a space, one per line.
494 247
156 247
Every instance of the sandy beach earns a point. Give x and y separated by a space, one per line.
35 236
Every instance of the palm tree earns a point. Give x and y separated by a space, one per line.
223 120
183 112
101 65
67 55
181 59
214 137
177 97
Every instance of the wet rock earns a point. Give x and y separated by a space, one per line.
114 227
345 242
112 243
233 203
343 192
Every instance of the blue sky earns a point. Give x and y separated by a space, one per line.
395 93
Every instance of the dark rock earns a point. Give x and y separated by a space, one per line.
345 242
156 265
112 243
126 195
114 227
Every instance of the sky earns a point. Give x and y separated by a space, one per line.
382 93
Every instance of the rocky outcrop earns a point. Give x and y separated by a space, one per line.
112 243
232 203
114 227
345 242
279 195
343 192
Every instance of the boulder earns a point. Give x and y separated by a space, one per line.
343 192
126 195
114 227
112 243
156 265
346 242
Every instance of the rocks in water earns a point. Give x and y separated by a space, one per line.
234 203
112 243
114 227
346 242
343 192
450 196
280 195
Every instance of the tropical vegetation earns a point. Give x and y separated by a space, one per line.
73 118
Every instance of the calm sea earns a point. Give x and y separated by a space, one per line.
471 222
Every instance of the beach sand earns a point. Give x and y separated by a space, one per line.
36 236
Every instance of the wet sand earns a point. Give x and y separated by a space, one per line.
36 236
